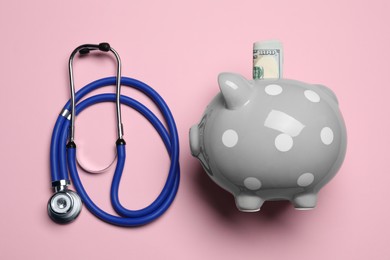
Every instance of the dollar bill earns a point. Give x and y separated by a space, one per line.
267 60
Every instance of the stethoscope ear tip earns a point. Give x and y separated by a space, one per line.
64 206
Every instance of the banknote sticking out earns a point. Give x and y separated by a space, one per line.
267 60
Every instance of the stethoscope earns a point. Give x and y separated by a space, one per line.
65 205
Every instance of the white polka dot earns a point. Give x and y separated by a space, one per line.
231 84
273 89
312 96
305 179
230 138
283 142
252 183
327 135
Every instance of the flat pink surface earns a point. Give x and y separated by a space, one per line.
179 47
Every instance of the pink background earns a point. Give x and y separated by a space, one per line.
179 47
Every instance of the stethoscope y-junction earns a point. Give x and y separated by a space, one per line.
65 204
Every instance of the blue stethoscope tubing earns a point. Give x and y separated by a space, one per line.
63 159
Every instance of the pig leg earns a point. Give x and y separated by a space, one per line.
305 201
248 202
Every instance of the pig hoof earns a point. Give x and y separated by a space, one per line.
305 201
248 203
194 140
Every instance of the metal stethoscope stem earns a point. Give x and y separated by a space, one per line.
85 49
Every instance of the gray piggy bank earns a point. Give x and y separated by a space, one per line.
270 140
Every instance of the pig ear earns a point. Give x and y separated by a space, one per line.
235 89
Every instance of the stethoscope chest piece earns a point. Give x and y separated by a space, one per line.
64 206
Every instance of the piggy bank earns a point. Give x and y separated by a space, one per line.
270 140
